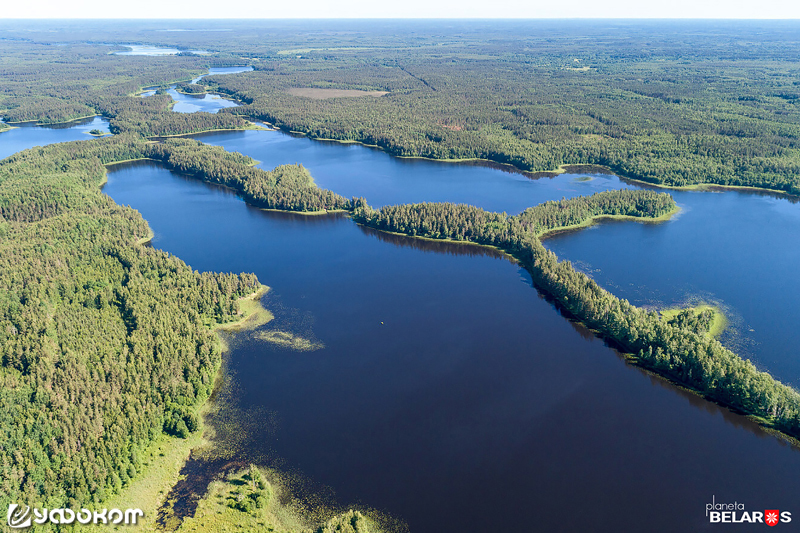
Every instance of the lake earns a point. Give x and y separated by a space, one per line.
696 256
448 394
146 50
192 103
28 135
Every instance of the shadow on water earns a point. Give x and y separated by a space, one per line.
481 163
196 476
733 418
58 126
429 245
791 198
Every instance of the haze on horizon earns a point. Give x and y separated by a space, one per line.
315 9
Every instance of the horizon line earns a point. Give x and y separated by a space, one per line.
466 18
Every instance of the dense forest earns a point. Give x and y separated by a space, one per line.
708 107
106 344
190 88
699 321
677 348
288 187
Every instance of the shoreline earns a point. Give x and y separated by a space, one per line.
253 314
41 124
190 94
319 213
168 455
629 357
709 187
719 322
147 238
561 169
249 127
129 161
503 252
599 218
143 88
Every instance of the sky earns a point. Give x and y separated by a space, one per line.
160 9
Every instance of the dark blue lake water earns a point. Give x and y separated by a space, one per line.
732 249
448 393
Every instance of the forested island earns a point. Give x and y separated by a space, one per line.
108 345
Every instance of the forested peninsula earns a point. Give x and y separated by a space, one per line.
677 349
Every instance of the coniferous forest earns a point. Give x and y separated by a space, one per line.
107 344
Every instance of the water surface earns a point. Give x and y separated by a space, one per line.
448 393
28 135
733 249
355 170
192 103
145 50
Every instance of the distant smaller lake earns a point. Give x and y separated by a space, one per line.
28 135
192 103
137 50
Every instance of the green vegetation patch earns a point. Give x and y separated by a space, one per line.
252 314
703 319
245 500
289 340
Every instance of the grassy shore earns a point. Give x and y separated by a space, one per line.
161 465
253 314
252 500
147 238
718 323
598 218
307 213
130 161
221 509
